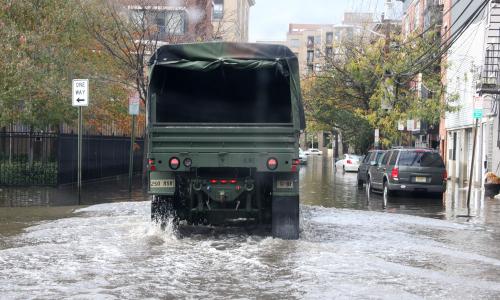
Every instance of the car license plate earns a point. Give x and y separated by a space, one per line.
285 184
162 183
421 179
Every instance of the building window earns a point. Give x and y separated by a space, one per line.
218 12
310 57
310 41
167 21
329 52
171 22
295 43
329 38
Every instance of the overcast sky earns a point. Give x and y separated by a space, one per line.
269 19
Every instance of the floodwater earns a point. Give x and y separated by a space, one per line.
350 247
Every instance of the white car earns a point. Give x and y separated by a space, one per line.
350 163
302 157
313 151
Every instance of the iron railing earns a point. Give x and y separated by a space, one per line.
49 159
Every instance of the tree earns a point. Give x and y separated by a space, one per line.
45 46
366 85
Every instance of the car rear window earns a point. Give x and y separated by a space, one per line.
420 159
356 157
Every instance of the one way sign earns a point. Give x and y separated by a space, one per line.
80 92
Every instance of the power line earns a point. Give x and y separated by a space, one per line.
445 45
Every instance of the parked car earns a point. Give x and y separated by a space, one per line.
313 151
302 157
350 163
408 170
372 156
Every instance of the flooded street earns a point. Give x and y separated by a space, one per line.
350 247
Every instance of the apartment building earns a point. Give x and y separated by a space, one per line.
230 19
315 44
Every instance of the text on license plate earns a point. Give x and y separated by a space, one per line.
162 183
420 179
285 184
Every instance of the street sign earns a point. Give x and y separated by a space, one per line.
133 104
478 113
478 107
80 92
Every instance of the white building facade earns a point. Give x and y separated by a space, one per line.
467 60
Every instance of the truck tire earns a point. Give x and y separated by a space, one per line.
285 217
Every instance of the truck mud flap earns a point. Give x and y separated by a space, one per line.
285 217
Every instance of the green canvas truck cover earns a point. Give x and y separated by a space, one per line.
232 60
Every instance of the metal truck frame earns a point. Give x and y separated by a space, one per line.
223 129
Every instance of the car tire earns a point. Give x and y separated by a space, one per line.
360 183
368 185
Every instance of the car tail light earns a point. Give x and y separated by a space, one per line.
395 173
445 175
295 163
223 181
233 181
213 181
151 163
349 162
272 163
174 163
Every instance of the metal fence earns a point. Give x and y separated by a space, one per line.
103 156
28 158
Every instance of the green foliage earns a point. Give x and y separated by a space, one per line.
368 85
21 173
44 46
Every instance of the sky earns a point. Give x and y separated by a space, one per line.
269 19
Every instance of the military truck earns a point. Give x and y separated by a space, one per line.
224 121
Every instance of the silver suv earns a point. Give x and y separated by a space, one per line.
408 170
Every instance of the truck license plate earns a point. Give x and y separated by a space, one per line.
285 184
162 183
420 179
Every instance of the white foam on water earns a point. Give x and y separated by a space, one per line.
114 251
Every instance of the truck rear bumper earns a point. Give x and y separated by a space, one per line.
417 188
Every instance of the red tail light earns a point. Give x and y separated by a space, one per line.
445 175
296 162
395 173
223 181
152 168
272 164
349 162
233 181
213 181
174 163
151 163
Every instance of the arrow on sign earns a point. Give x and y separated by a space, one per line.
80 100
